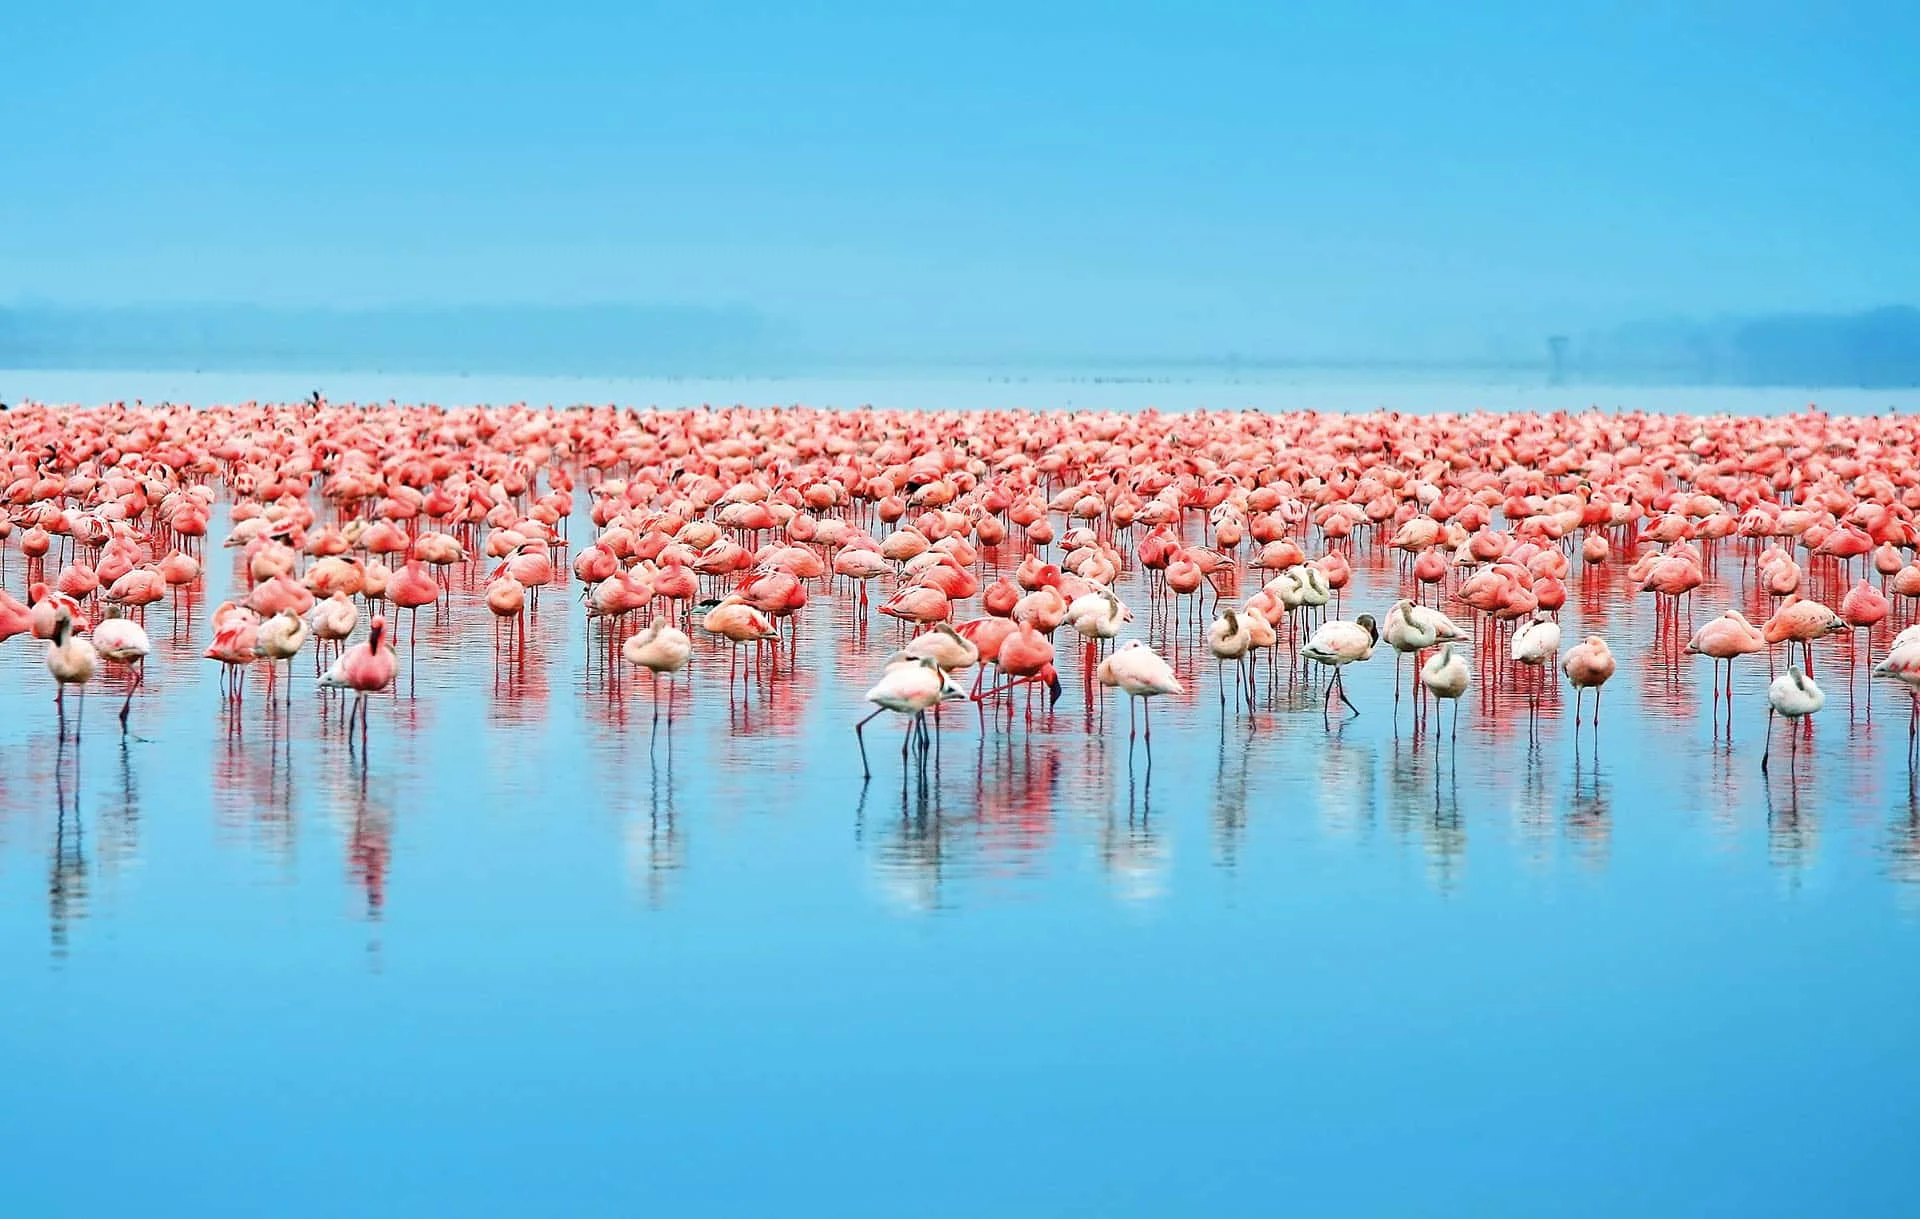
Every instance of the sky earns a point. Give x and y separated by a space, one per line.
1065 179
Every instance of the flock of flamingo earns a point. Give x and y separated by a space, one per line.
726 525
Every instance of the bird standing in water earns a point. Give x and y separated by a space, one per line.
660 648
71 661
1413 628
1588 666
1230 639
1339 644
122 641
1445 677
1902 664
1143 674
1534 645
1726 637
911 687
278 641
1794 696
365 668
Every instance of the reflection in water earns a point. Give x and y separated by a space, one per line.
654 849
67 875
1725 791
1135 853
913 845
366 816
119 837
1534 810
546 723
1903 841
253 788
1423 794
1793 830
1015 787
1233 760
1590 814
1347 796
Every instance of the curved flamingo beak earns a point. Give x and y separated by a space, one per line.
1053 684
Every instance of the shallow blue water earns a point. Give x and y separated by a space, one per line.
1165 387
526 959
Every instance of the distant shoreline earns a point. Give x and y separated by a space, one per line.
1341 389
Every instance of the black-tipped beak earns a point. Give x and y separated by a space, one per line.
1053 684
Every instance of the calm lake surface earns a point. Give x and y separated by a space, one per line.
525 958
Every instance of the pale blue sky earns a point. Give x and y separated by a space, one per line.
1015 177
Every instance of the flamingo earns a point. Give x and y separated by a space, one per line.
660 648
71 661
365 668
1802 622
944 646
1230 639
739 624
15 618
1723 639
1793 695
1535 644
332 621
1140 672
1445 677
1902 664
1588 666
910 687
278 640
235 642
122 641
1413 628
1338 644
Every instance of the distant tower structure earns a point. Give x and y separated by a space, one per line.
1557 359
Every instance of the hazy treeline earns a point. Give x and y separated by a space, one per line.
1878 348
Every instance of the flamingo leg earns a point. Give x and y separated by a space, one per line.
1396 690
139 675
859 735
1342 687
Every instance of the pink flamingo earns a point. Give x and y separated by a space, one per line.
365 668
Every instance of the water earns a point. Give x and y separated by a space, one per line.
527 959
1164 387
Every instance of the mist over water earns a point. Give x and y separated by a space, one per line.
1120 388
